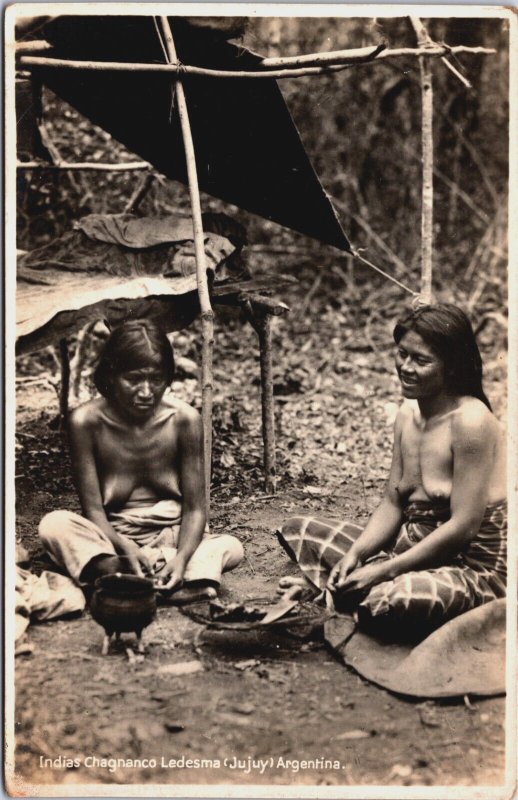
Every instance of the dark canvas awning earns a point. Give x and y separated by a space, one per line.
248 149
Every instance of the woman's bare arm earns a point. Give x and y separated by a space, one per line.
386 520
84 470
192 485
383 524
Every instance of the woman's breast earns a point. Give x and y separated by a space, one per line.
427 466
434 492
116 490
132 491
137 473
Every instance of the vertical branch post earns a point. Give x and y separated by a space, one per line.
264 332
207 314
423 40
259 311
64 387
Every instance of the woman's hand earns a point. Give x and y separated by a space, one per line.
171 575
364 578
341 569
139 563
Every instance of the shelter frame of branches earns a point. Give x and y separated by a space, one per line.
313 64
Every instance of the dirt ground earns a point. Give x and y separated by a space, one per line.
257 697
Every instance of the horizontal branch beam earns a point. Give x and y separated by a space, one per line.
34 46
85 165
329 62
177 69
367 54
318 59
434 51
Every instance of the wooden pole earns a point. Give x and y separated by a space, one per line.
356 55
179 70
207 314
427 162
77 362
365 55
259 311
328 63
85 165
264 331
34 46
64 388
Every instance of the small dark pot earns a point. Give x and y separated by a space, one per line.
123 603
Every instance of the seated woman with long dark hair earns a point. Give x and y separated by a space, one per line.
137 459
436 544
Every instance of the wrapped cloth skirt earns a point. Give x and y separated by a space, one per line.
421 599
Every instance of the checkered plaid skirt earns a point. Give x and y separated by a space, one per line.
432 596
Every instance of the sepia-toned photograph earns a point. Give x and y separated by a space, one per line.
259 416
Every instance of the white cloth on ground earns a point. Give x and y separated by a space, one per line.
44 597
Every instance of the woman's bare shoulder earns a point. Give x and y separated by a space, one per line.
472 418
87 414
184 412
407 412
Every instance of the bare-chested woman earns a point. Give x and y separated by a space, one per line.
436 545
138 468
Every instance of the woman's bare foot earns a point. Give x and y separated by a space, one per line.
191 592
295 587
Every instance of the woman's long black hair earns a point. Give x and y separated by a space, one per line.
133 345
447 330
